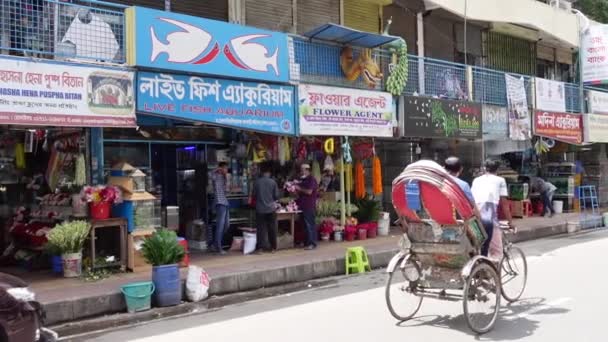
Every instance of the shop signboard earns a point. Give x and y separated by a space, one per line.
172 41
429 117
58 94
495 122
594 48
596 128
245 105
345 112
597 102
559 126
550 95
517 105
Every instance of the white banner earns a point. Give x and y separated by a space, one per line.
517 104
594 47
595 128
54 94
597 102
550 95
345 112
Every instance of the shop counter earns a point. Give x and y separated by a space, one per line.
291 217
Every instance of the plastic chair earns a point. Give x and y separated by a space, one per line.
356 260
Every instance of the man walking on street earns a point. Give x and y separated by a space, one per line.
307 202
266 195
490 193
222 210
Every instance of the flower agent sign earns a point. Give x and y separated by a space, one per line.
559 126
345 112
429 117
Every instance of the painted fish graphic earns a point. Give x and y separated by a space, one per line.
251 56
183 46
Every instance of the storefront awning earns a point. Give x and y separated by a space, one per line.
345 35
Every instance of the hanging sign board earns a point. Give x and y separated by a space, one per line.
559 126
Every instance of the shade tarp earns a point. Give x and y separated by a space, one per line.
345 35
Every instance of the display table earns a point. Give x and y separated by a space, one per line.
119 224
289 216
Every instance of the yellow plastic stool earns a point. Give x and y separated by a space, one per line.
356 260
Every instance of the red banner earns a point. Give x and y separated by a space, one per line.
559 126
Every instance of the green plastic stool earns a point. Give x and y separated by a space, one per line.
356 260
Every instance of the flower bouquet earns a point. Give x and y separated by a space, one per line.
291 186
100 199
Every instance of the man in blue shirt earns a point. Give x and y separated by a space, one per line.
454 168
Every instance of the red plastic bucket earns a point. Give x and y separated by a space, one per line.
362 234
100 211
372 233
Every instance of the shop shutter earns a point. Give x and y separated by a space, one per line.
156 4
362 15
276 15
314 13
212 9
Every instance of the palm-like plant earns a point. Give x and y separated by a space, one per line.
162 248
68 237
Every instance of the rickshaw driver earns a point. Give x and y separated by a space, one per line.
490 193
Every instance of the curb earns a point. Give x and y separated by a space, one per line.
67 315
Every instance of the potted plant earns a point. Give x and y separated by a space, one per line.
100 199
369 209
68 238
164 253
326 228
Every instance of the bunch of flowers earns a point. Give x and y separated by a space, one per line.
290 186
101 194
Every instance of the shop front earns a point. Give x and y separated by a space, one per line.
47 111
350 121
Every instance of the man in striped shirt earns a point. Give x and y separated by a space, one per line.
222 210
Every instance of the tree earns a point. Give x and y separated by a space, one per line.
594 9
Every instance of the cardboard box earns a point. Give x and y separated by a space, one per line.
135 259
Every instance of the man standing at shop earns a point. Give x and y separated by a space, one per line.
490 193
219 180
307 203
546 191
266 194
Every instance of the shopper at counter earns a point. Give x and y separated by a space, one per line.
222 210
266 194
546 191
307 202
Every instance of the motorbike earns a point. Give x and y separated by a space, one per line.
21 316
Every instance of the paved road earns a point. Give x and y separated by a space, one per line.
565 301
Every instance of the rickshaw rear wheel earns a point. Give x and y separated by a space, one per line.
400 288
482 289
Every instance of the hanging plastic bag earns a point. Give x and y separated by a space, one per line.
197 284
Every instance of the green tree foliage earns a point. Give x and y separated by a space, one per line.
594 9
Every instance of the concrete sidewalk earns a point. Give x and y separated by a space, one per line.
72 299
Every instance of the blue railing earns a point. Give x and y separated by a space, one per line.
58 29
320 64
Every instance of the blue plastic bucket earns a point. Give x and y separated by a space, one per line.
138 295
57 264
168 285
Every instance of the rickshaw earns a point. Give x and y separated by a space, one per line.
440 249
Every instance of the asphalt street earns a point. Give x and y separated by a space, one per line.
565 300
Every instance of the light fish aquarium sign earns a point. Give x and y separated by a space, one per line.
171 41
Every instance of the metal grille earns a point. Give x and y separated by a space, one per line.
573 104
445 79
489 86
87 29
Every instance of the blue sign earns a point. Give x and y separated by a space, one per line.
166 40
245 105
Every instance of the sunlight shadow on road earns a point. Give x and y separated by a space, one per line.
513 321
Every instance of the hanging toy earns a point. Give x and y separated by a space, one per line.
376 176
316 170
329 146
349 177
346 151
328 164
302 151
19 156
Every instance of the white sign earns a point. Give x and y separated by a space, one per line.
53 94
595 128
594 46
597 102
550 95
517 104
345 112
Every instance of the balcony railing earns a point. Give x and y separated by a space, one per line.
63 29
320 64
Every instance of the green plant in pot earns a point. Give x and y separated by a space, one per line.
164 253
369 209
67 239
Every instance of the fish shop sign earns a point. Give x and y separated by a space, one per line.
171 41
245 105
